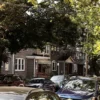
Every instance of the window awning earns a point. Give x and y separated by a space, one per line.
43 61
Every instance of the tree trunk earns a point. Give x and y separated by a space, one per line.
2 49
0 63
94 66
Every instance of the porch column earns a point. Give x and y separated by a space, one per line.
64 68
13 64
58 67
34 68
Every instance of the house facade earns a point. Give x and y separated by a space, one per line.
36 63
28 63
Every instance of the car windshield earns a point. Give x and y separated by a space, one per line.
4 96
37 81
79 84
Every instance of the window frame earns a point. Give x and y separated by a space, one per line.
46 50
22 64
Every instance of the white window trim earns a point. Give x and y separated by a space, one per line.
46 50
21 64
54 66
7 66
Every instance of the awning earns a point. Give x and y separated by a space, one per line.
43 61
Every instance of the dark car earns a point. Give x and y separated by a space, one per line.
79 88
48 84
1 77
42 83
26 93
12 80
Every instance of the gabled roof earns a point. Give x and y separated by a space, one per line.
69 60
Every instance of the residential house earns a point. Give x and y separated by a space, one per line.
51 61
68 62
29 63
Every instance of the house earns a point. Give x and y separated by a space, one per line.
29 63
36 63
68 62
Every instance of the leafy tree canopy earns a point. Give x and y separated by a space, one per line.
87 15
55 19
48 22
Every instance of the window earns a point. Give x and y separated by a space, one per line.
54 67
19 64
46 50
6 66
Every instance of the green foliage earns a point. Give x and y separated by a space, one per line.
87 15
48 22
56 22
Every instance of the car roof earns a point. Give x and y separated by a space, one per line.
57 77
37 78
84 78
18 90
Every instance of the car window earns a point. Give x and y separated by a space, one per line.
43 96
37 81
74 84
78 84
47 81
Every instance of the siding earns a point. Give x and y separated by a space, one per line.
30 68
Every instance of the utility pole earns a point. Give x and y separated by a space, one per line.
86 64
86 56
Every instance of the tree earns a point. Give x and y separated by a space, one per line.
56 21
9 14
87 15
25 26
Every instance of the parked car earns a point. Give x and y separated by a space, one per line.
1 77
35 82
12 80
48 84
26 93
79 88
42 83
